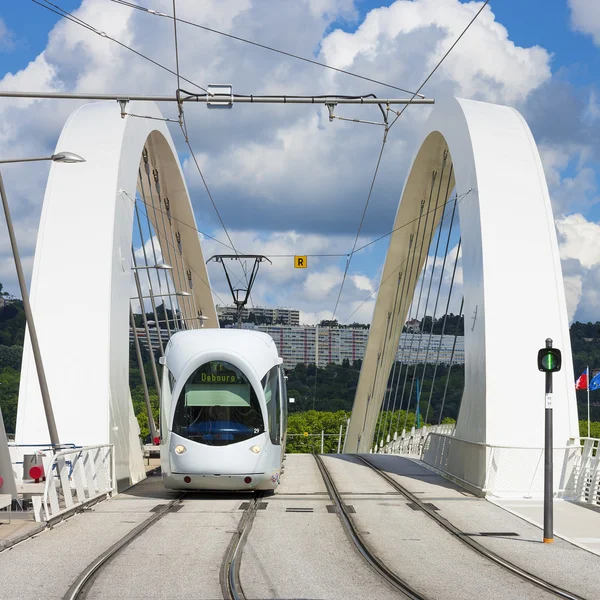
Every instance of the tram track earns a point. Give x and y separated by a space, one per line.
389 576
82 585
467 539
230 567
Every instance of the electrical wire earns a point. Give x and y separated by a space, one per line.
440 62
270 48
362 220
175 249
176 45
387 129
193 155
399 266
61 12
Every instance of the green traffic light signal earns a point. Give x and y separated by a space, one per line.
549 360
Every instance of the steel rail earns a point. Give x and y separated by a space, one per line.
230 568
467 539
81 585
355 537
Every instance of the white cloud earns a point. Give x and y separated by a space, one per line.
585 17
580 258
578 238
285 179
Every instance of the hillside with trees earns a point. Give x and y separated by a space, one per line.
323 396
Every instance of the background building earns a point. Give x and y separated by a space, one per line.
262 315
324 345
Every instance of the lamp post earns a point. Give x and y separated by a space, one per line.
63 157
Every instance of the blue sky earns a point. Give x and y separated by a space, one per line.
556 108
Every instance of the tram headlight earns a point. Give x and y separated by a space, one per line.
180 449
255 449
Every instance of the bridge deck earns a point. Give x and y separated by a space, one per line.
291 554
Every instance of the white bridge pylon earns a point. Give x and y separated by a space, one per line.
513 287
82 279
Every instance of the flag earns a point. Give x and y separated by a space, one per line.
582 382
595 382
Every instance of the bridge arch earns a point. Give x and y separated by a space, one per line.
82 278
513 287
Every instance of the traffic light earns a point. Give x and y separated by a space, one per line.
549 360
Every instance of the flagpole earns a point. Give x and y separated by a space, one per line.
588 399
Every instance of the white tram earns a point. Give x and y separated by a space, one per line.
223 413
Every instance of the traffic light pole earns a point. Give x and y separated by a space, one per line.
548 461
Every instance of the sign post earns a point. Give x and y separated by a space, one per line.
549 361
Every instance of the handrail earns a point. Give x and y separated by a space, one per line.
85 478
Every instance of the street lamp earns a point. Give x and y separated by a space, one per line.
63 157
183 294
160 266
60 157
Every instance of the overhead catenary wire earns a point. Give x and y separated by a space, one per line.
54 8
362 220
183 126
387 129
441 60
257 44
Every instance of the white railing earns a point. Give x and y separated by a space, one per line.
501 470
412 443
19 451
76 477
584 482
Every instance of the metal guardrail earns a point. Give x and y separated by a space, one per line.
412 443
77 476
489 469
584 483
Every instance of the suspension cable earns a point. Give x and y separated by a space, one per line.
168 286
187 274
399 266
158 275
452 358
430 282
385 404
146 159
403 342
169 243
437 298
150 290
437 361
416 313
408 302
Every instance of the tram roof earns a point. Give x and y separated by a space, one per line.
256 347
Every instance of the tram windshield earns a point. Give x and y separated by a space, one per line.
218 406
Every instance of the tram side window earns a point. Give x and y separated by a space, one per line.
273 401
218 406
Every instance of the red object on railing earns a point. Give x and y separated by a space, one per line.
36 472
156 441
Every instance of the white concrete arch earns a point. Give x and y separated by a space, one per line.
82 278
512 278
